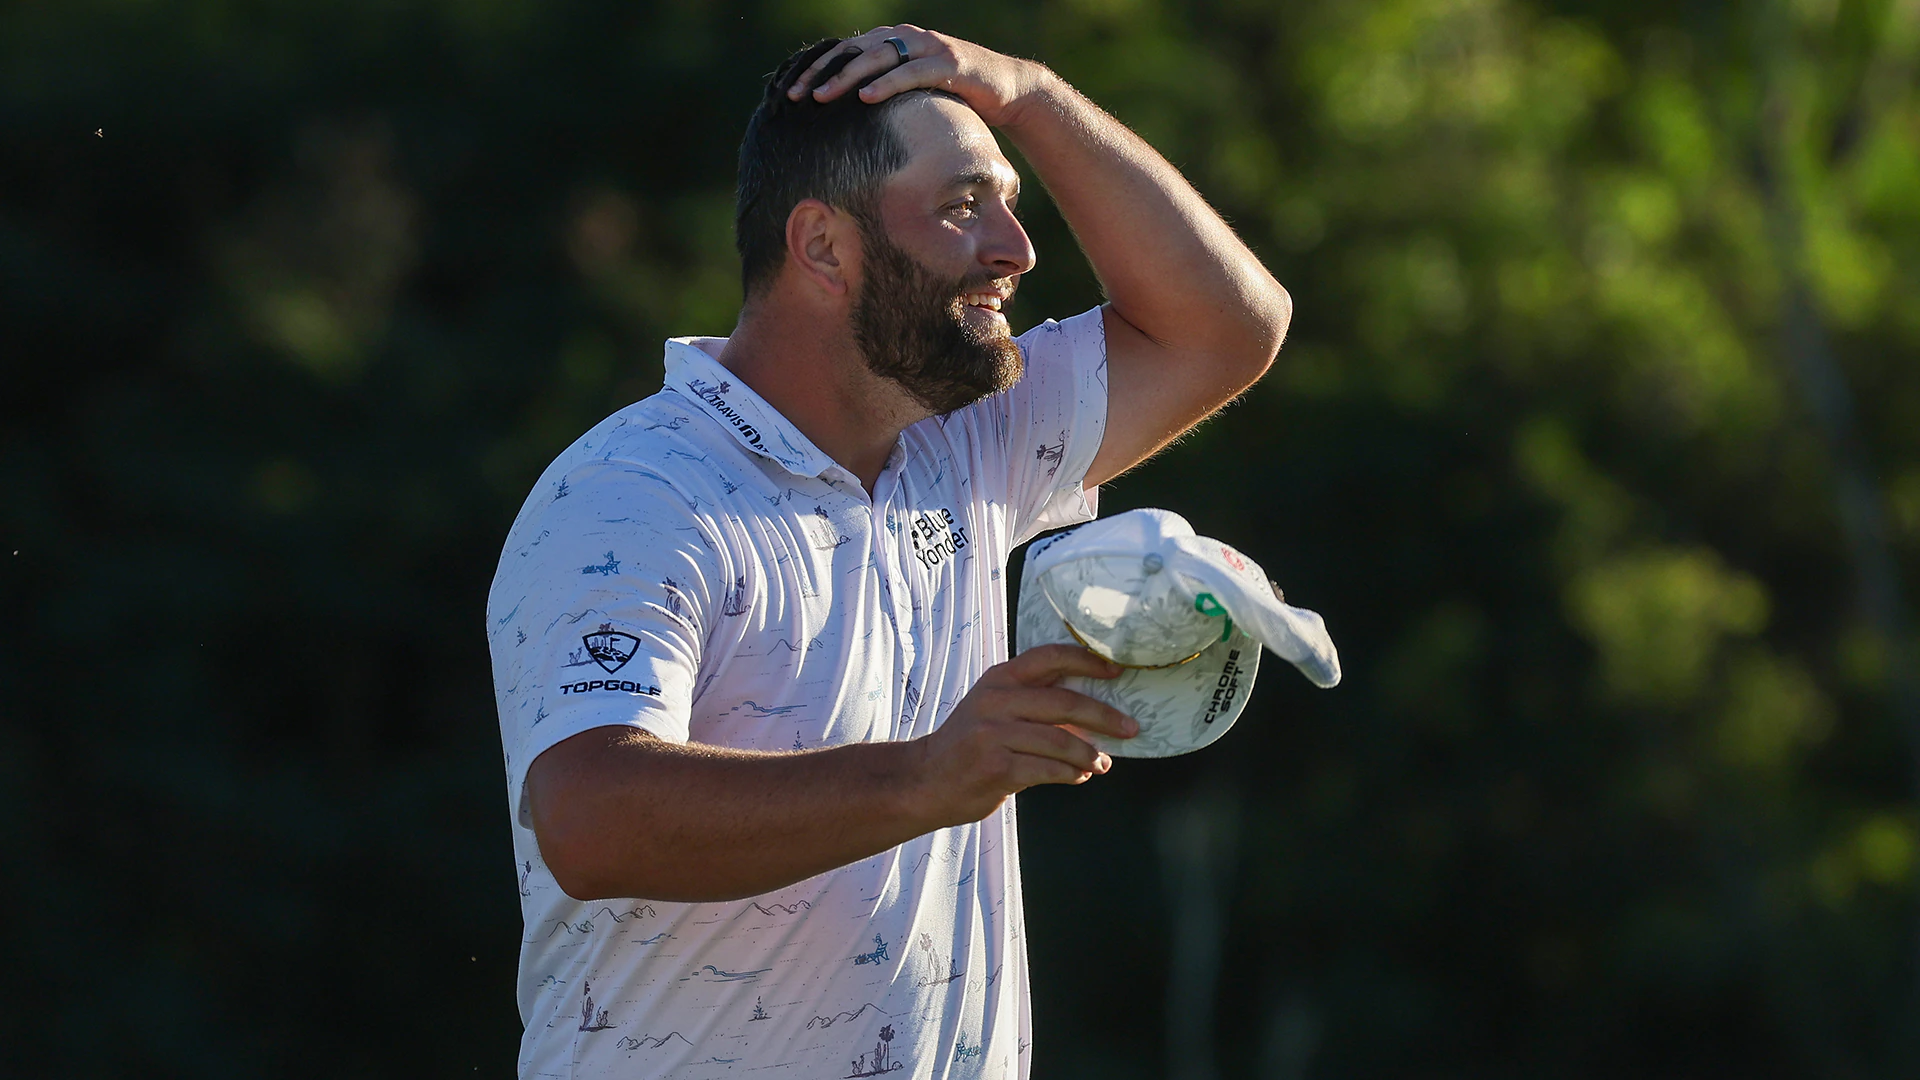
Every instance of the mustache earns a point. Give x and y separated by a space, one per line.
1008 286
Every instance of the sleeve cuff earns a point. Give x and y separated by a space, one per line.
1074 502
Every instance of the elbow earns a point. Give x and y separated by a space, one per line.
577 863
579 882
592 859
1276 316
1268 318
577 844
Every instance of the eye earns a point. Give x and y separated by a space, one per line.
968 207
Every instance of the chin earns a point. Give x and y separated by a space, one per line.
989 367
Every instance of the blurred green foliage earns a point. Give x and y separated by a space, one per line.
1597 440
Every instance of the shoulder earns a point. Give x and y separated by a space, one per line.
1062 338
651 466
664 436
662 440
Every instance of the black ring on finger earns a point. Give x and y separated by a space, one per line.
899 47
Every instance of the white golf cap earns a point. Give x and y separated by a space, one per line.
1185 615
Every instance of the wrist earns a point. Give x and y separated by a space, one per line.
913 799
1038 90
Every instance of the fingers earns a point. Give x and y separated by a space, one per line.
912 75
871 56
1026 687
1045 754
1048 664
1056 706
1029 770
1016 728
865 62
1055 744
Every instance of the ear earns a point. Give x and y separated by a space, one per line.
823 244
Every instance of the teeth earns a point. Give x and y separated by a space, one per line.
986 300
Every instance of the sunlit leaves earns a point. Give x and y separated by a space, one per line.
1877 851
1774 711
1659 617
317 263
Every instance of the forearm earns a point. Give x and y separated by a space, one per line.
620 813
1170 265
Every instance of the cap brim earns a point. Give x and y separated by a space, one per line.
1296 635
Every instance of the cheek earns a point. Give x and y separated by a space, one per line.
944 252
955 267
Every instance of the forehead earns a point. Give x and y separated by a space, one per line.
946 141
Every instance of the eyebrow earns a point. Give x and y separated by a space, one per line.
986 180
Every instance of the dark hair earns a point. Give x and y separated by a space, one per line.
839 152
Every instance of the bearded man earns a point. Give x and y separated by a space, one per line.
750 634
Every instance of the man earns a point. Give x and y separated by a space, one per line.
749 635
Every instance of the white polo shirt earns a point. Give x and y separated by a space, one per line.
695 567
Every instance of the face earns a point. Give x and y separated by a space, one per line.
942 260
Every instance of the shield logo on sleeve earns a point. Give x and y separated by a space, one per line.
610 648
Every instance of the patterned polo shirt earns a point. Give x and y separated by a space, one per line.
695 567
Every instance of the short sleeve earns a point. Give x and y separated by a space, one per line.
597 613
1037 439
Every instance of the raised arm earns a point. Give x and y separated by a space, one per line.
1193 318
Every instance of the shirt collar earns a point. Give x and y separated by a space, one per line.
757 425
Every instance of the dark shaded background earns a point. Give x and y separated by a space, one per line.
1597 440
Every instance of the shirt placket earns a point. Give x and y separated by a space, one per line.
896 590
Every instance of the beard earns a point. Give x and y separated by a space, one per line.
911 326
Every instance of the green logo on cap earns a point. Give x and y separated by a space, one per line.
1205 604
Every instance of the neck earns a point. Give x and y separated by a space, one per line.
805 364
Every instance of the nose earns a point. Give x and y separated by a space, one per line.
1008 249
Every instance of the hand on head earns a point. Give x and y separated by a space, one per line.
992 84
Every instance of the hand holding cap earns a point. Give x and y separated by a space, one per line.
1186 615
